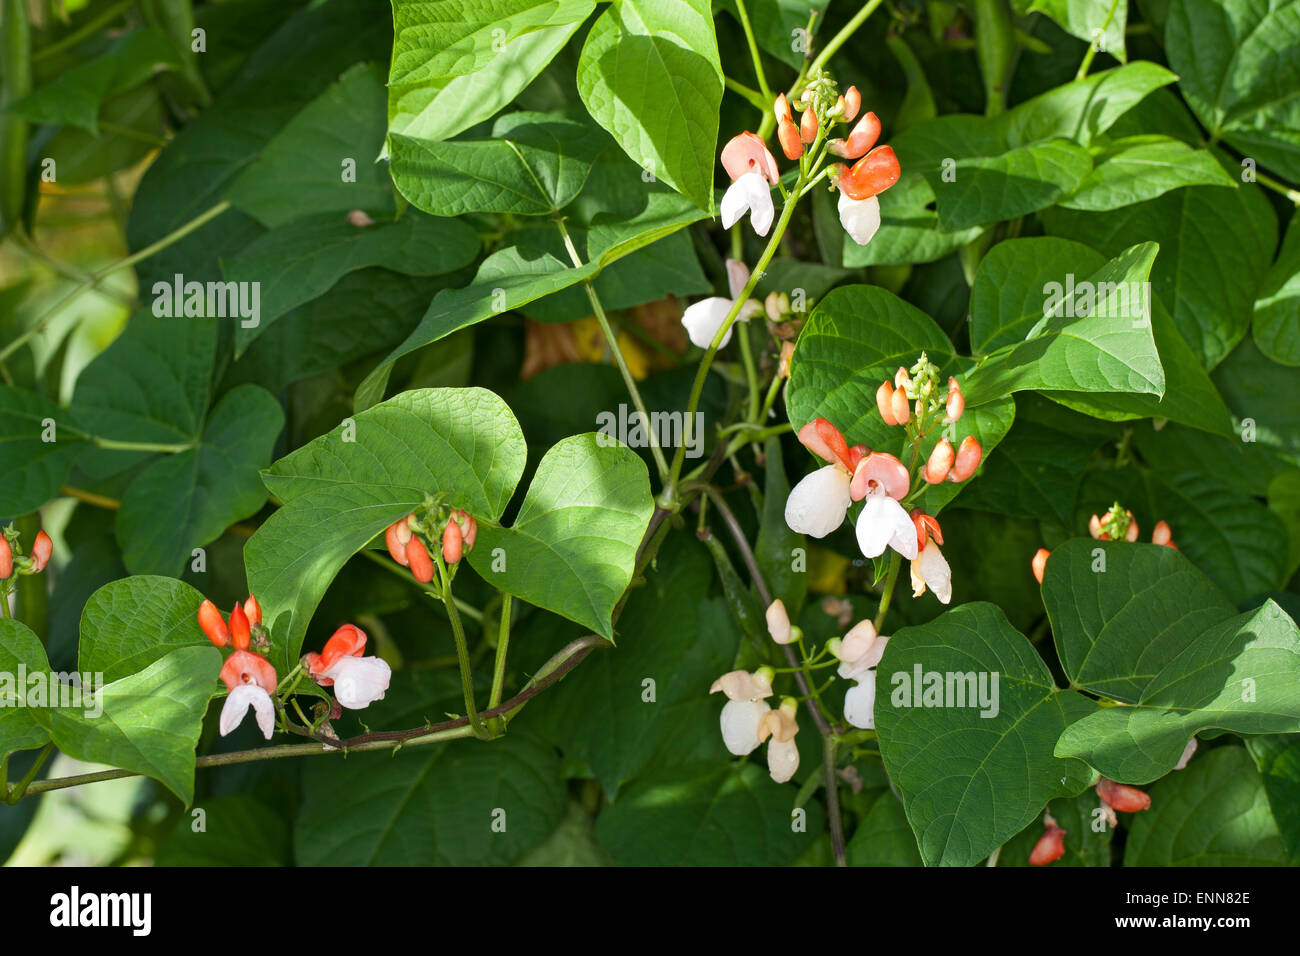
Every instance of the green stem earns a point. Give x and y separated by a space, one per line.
829 758
895 562
17 791
462 650
751 96
125 263
1094 46
387 564
841 38
753 52
503 645
88 28
1271 183
660 462
114 445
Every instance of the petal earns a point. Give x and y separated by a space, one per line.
818 504
360 681
237 704
880 471
778 622
703 319
857 642
782 759
859 217
742 685
739 721
883 523
737 276
746 153
931 566
748 193
860 702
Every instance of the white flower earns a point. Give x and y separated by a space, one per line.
860 701
750 193
782 751
859 654
359 681
744 710
881 480
703 319
859 217
237 703
818 503
930 569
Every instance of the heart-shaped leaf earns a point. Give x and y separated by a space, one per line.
32 468
128 624
21 654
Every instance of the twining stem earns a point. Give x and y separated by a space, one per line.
1095 45
125 263
462 648
503 645
763 88
18 790
660 462
840 39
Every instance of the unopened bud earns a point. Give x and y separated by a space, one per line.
808 125
452 542
42 548
1123 798
885 402
6 559
1050 846
396 537
778 622
213 624
1039 563
1161 534
787 353
902 411
969 454
955 406
852 103
788 135
781 109
240 633
418 560
939 465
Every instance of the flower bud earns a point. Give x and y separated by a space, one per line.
969 454
852 103
240 632
253 610
359 219
1039 563
902 411
901 378
6 558
1160 534
885 402
787 353
1131 533
396 537
1123 798
1050 846
778 622
42 547
808 125
418 560
1094 529
781 109
213 624
862 138
955 406
1187 754
939 464
452 541
926 527
788 135
471 534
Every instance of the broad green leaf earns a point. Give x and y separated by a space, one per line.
672 634
1139 168
1284 501
1264 401
909 228
533 164
1241 674
1238 70
304 259
128 624
187 500
432 805
971 782
457 62
1277 757
505 280
883 838
572 547
1215 247
1277 309
706 814
1120 612
650 74
361 477
856 338
981 189
1084 846
21 654
1099 22
150 721
74 96
324 158
1095 337
239 830
572 844
1086 108
1213 813
33 470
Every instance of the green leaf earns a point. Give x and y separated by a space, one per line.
1084 845
971 782
128 624
187 500
150 721
1109 347
572 547
909 228
776 543
883 838
74 97
982 189
462 442
458 803
303 167
1239 72
650 74
239 830
1138 168
1284 501
1099 22
1241 674
1214 813
1277 757
31 470
669 633
19 728
300 261
534 164
1264 401
1215 247
706 814
1277 306
456 63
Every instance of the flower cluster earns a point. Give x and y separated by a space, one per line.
411 537
357 681
1118 524
859 653
747 720
12 559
